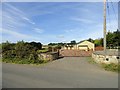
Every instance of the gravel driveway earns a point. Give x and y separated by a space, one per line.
67 72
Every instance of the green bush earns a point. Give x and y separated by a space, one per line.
42 51
21 52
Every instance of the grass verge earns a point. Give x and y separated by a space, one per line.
24 61
109 67
0 59
90 60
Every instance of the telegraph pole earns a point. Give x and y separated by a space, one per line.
104 27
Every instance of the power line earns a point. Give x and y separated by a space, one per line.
108 11
111 6
113 10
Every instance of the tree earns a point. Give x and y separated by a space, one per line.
117 37
36 45
90 40
109 39
73 42
97 42
113 39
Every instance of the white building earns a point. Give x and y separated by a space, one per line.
85 45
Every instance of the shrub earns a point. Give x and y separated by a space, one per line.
42 51
21 52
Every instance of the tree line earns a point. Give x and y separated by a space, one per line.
112 40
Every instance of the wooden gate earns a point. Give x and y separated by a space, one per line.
75 53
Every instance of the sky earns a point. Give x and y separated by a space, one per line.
52 22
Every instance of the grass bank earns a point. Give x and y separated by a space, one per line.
109 67
24 61
0 59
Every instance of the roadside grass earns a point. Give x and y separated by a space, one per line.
111 67
24 61
108 67
0 59
90 60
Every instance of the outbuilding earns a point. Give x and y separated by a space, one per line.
84 45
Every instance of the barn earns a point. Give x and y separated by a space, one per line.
84 45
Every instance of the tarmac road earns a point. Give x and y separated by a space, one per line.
68 72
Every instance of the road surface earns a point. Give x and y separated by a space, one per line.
68 72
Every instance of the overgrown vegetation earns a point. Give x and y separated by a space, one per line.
23 61
90 60
111 67
21 52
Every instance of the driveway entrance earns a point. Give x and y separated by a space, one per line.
68 72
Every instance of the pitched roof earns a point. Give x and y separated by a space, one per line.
84 41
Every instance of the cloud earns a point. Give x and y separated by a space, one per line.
72 34
83 20
9 20
19 22
60 36
27 19
13 33
73 30
38 30
14 15
13 8
69 30
98 33
112 26
16 35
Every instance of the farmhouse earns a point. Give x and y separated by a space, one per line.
84 45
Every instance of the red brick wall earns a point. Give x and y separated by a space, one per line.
99 48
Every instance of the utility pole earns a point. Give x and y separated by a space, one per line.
104 28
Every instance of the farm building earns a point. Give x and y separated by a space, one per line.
85 45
